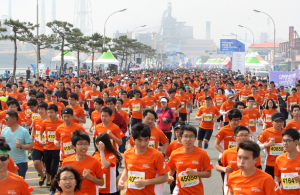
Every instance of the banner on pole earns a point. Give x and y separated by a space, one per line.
285 79
238 62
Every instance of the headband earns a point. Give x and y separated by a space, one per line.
4 152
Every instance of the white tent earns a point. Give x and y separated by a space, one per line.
107 58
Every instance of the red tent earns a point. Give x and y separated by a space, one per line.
228 65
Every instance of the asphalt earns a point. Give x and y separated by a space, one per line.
212 185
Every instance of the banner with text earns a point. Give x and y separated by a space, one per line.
238 62
285 79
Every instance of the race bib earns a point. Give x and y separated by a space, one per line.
94 97
207 117
203 104
104 179
136 107
219 102
293 103
187 180
244 98
251 123
173 109
133 175
182 104
288 181
51 136
277 149
34 115
238 90
151 144
268 118
255 105
28 112
37 134
68 149
26 90
78 103
124 109
231 144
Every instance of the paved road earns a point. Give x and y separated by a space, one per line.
212 186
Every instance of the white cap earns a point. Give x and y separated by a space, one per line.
122 80
163 100
101 79
126 77
168 78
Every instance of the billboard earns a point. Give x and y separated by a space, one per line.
224 52
238 62
232 45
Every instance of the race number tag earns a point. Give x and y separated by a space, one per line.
268 118
187 180
207 117
219 102
251 122
133 175
94 97
104 179
124 109
277 149
283 97
231 144
203 104
51 136
34 115
68 149
288 181
244 98
37 134
182 104
136 107
151 144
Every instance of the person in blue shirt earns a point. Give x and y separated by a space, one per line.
18 139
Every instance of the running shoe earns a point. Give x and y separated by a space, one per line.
42 180
205 145
48 183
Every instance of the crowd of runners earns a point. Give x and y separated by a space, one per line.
141 120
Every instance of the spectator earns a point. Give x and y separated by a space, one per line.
28 72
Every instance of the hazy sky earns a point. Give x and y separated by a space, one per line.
225 15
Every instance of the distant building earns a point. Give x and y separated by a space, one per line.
263 49
208 30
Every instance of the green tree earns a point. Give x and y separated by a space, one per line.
20 32
77 42
61 30
2 29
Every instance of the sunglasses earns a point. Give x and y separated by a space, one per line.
4 158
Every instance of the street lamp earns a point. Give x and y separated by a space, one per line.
236 36
122 10
256 11
37 34
132 32
250 31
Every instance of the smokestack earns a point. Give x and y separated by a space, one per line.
53 10
43 22
9 9
207 29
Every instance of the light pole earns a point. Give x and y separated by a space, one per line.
37 34
256 11
250 31
236 36
131 35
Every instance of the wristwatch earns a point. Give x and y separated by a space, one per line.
164 154
21 147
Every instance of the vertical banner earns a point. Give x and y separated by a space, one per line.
33 66
41 70
285 79
291 37
192 60
238 62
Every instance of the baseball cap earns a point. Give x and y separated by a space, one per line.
119 81
205 89
208 97
148 90
281 86
187 87
276 116
54 94
163 100
67 110
177 126
230 95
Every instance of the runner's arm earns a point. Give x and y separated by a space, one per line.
277 179
122 179
222 112
157 180
203 174
165 147
218 147
32 133
104 162
81 120
117 140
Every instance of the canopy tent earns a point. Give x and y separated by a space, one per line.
199 62
214 62
67 57
228 65
107 58
261 59
252 62
89 60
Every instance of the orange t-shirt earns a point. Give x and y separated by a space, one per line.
93 95
257 99
125 105
261 183
226 107
12 167
244 95
145 166
238 87
3 116
59 105
272 151
293 124
272 96
226 137
37 125
125 115
252 114
197 160
90 163
116 131
156 136
158 96
95 115
15 184
63 134
209 114
184 100
80 97
245 121
174 103
136 106
219 100
291 166
261 94
49 128
149 101
110 173
266 115
114 94
78 111
293 100
17 95
174 145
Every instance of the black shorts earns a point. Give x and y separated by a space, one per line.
37 155
183 116
270 170
173 124
204 134
220 118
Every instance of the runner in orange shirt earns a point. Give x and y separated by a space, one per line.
270 139
252 114
201 99
189 174
271 95
207 115
98 103
126 101
245 93
267 113
150 101
226 107
159 94
54 101
225 137
228 162
249 180
175 104
145 167
87 166
109 158
51 152
258 100
293 99
91 96
184 103
79 114
136 106
112 92
9 182
81 96
295 122
219 99
287 165
15 94
119 105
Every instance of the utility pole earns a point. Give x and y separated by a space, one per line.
38 45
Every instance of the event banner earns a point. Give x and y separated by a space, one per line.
285 79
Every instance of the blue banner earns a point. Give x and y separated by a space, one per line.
285 79
232 45
224 52
33 66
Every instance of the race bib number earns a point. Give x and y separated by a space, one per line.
208 117
283 97
251 123
104 179
244 98
197 90
238 90
94 97
28 112
203 104
133 175
187 180
51 136
173 109
151 144
277 149
37 134
68 149
288 181
136 107
219 102
231 144
182 104
124 109
268 118
34 115
255 105
78 103
26 90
